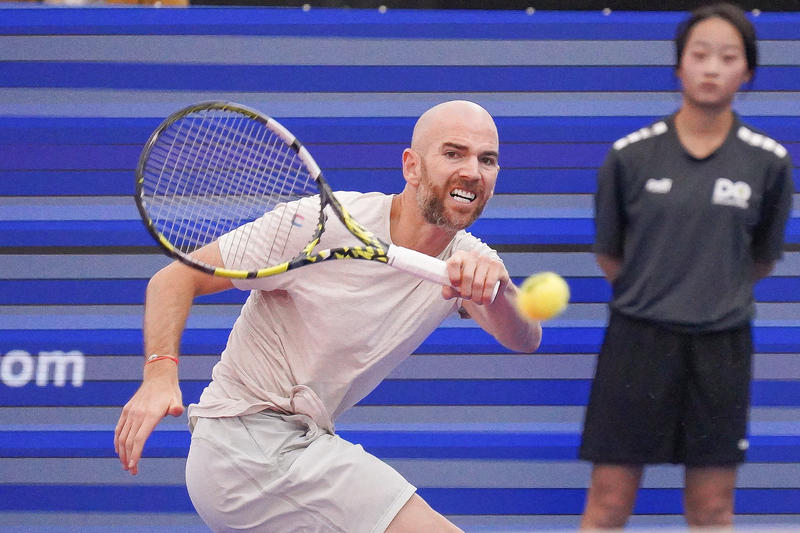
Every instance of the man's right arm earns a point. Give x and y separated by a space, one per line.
169 298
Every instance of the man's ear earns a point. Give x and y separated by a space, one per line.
411 166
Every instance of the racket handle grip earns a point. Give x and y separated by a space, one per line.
423 266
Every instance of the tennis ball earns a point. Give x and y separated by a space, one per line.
542 296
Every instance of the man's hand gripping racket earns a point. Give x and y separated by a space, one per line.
216 166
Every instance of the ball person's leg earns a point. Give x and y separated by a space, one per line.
611 496
708 497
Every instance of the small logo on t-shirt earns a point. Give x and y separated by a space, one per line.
662 186
735 194
298 220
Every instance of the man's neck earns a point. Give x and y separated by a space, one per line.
409 229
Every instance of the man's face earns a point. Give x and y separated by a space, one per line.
457 175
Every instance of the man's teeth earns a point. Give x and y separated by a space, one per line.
462 196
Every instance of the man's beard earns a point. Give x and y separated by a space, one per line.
433 210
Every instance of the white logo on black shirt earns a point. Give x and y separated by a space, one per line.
727 192
662 186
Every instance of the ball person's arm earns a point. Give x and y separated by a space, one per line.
474 275
168 301
610 265
762 269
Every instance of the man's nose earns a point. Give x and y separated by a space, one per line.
471 168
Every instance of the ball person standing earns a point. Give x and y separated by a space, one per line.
690 213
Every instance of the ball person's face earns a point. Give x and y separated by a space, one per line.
713 65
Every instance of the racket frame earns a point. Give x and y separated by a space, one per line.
373 249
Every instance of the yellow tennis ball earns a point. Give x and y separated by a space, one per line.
542 296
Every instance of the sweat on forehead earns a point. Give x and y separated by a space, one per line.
452 113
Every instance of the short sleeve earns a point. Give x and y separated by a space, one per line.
768 237
609 208
276 237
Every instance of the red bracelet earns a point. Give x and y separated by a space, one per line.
156 357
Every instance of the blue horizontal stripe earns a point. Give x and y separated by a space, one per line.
456 501
441 341
131 291
440 24
765 393
92 292
120 182
211 341
494 231
383 444
96 498
75 233
328 156
133 233
321 130
356 79
87 444
70 157
469 501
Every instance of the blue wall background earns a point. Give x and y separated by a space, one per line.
489 437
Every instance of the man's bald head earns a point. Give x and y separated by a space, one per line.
450 117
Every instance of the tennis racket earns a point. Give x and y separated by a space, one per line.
215 167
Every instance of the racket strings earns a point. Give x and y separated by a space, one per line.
213 171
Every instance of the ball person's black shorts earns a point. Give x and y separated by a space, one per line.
663 396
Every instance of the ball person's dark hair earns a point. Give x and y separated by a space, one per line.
728 12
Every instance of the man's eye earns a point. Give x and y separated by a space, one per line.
490 161
451 154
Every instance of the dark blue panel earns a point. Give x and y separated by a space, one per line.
494 231
765 393
778 289
133 233
99 498
468 501
328 156
439 24
110 182
76 130
356 79
73 291
87 444
66 183
321 130
383 444
774 449
75 233
70 157
778 340
480 392
457 501
442 340
131 291
93 292
112 341
90 394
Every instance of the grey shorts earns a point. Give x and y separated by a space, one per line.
268 472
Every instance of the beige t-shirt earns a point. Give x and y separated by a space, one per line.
318 339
